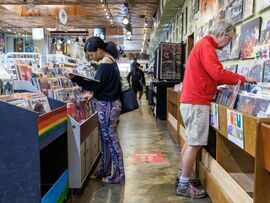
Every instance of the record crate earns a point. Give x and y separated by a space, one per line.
239 169
33 154
83 149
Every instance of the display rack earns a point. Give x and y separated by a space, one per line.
234 174
33 154
157 100
83 149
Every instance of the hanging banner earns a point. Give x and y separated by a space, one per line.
235 128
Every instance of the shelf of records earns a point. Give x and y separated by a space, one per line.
250 99
33 148
14 58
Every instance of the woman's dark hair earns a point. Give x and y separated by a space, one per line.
93 43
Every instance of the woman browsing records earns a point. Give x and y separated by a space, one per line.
107 95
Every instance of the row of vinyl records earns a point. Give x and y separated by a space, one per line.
80 107
249 99
260 70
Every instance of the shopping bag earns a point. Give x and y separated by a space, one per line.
129 101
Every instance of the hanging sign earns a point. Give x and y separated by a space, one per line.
63 16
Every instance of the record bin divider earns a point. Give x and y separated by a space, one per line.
33 154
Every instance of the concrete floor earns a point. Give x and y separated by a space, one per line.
142 138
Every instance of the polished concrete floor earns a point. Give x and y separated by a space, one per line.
151 164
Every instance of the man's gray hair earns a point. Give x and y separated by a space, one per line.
222 26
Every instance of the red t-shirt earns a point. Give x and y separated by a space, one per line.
204 72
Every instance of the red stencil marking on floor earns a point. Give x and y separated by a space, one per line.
147 157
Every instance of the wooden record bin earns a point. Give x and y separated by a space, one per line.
33 158
174 119
236 174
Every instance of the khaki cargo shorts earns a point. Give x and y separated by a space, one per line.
196 121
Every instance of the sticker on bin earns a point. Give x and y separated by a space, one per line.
147 157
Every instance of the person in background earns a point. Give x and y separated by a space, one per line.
137 80
134 64
202 75
107 95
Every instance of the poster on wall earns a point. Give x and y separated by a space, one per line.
29 45
18 45
206 10
249 38
100 32
2 42
214 116
170 61
236 13
235 128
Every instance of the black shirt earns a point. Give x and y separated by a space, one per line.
109 88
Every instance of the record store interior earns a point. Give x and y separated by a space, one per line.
134 101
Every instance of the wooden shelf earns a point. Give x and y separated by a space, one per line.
245 180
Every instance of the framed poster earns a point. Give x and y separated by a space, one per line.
29 45
214 116
2 42
100 32
235 128
170 64
18 45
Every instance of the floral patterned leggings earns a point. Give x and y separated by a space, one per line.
112 166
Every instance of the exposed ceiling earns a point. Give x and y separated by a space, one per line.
83 15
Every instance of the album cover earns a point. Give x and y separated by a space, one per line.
18 45
232 68
60 94
53 83
256 70
252 105
236 12
65 82
262 4
265 32
44 86
243 69
250 34
228 13
2 42
235 49
266 71
247 8
40 104
24 72
224 54
6 86
206 10
20 102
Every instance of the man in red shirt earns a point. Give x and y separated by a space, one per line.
202 75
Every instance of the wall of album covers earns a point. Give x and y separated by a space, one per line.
248 54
